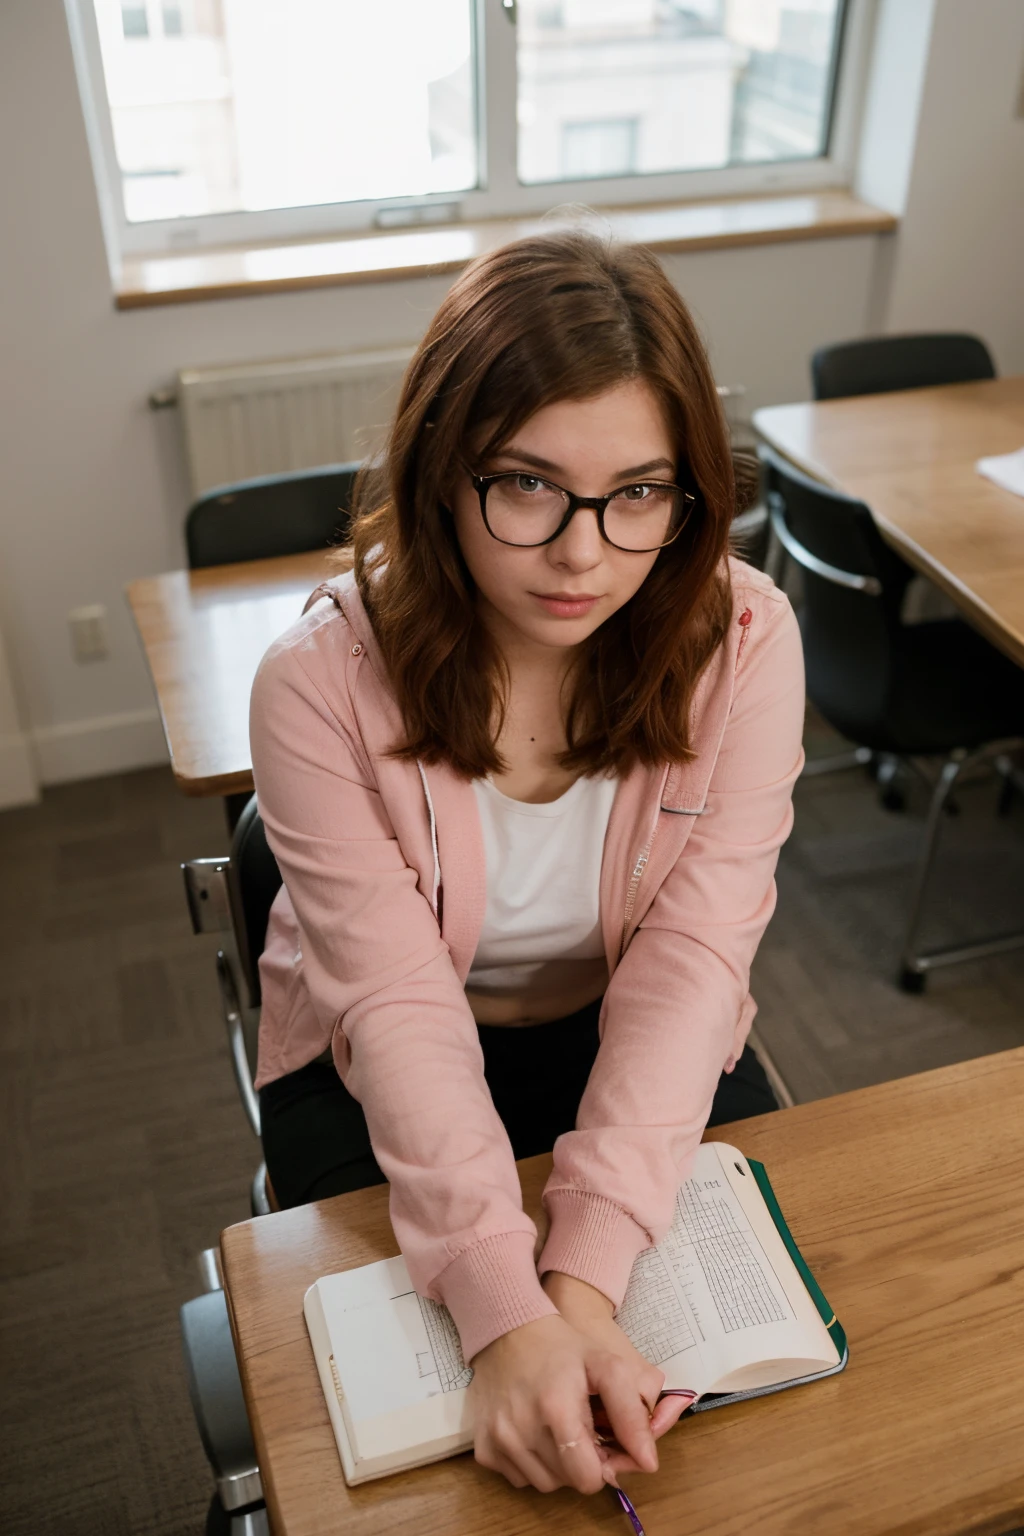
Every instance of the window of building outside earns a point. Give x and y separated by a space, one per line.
228 107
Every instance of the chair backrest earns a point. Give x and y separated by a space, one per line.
253 883
877 364
272 515
849 635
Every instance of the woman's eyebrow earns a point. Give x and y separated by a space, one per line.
536 462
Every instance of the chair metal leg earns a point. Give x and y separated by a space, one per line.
245 1522
236 1040
887 775
218 1402
209 1269
779 1086
259 1200
251 1522
1012 782
837 762
915 966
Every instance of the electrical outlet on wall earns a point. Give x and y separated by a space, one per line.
89 632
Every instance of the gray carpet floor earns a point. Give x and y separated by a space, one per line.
124 1151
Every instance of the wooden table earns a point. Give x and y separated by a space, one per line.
908 1201
911 457
204 633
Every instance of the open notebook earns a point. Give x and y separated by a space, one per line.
724 1304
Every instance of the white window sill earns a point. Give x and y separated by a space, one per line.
240 271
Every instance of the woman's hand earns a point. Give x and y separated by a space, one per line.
591 1313
530 1395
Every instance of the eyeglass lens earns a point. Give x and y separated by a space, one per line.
525 510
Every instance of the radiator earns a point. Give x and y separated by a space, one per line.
265 418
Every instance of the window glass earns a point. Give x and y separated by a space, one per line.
615 87
219 106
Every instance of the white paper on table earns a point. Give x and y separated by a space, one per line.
1006 469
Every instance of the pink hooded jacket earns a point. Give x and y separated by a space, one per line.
372 936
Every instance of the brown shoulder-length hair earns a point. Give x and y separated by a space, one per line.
552 317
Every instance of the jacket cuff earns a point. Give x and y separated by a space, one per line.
592 1239
492 1288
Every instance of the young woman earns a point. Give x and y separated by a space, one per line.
526 770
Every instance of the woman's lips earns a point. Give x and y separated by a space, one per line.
564 606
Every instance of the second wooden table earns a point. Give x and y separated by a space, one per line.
204 634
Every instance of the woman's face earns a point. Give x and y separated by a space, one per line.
557 594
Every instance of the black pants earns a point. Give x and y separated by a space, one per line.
316 1143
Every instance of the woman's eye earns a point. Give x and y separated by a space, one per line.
635 492
527 483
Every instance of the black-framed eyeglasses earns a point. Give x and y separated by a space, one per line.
527 511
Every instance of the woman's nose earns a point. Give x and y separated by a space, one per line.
579 545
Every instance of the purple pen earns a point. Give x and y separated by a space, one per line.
628 1510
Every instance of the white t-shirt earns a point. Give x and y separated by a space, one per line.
543 874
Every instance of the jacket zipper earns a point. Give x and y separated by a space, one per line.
632 888
643 857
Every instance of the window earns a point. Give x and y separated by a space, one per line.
221 120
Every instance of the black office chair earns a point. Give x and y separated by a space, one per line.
877 364
231 896
905 691
272 515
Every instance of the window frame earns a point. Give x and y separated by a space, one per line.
499 193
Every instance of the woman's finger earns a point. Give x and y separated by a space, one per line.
579 1458
628 1414
489 1454
494 1461
617 1461
530 1465
650 1383
668 1412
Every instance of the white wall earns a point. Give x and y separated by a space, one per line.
892 101
93 488
959 260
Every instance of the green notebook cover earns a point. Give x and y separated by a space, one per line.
825 1312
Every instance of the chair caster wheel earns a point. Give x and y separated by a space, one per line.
893 799
911 981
